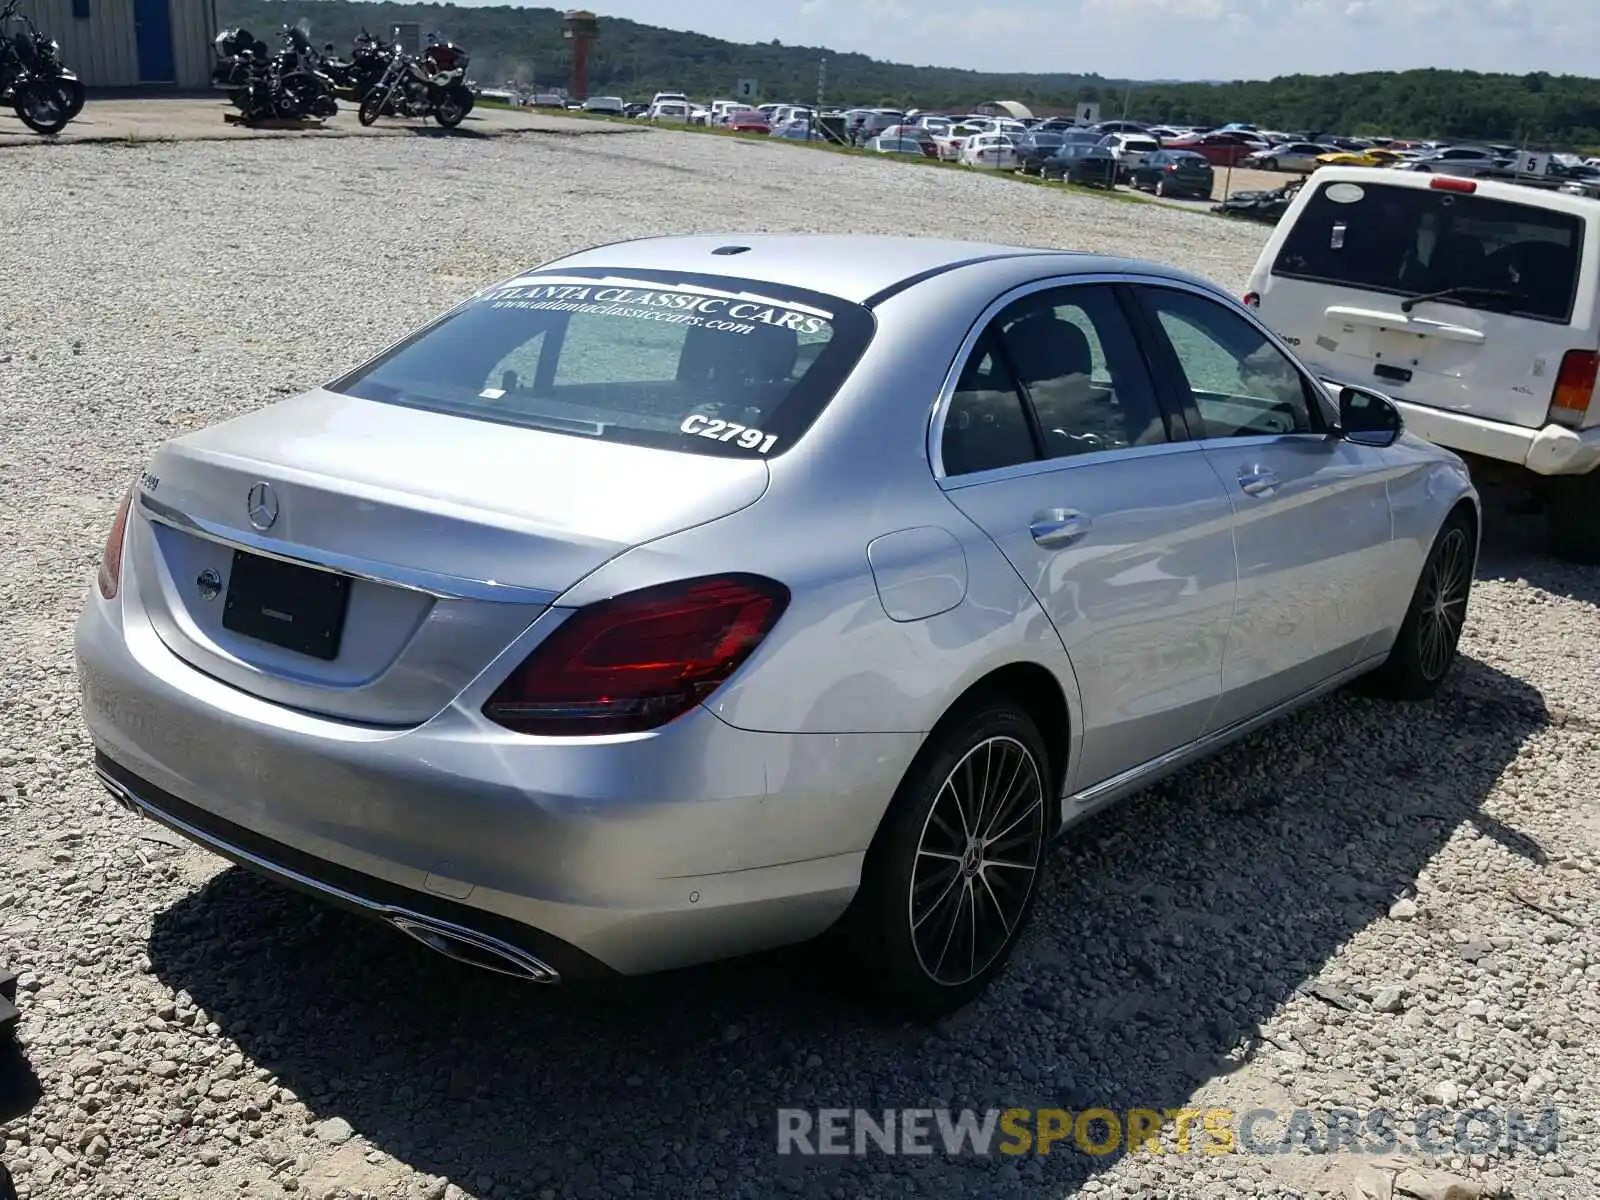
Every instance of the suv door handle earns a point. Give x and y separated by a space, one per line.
1055 527
1258 481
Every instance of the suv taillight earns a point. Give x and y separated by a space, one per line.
1252 299
110 577
638 660
1575 387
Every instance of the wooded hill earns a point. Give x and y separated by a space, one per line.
633 60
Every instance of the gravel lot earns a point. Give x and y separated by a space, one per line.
1226 938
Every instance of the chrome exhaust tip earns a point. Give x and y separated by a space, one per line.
119 793
475 949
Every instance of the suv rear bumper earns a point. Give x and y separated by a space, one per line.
1552 450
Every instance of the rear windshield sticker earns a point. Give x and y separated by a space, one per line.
1344 193
1336 238
727 314
728 431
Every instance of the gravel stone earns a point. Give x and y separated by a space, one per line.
195 1030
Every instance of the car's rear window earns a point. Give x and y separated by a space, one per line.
702 364
1521 259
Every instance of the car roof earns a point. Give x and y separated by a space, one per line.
854 267
1489 189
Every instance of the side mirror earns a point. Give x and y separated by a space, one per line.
1368 419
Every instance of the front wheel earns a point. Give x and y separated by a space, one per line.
451 108
1425 647
1161 188
39 106
1269 164
72 95
371 109
950 879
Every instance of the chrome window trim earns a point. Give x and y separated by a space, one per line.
430 583
941 405
1255 322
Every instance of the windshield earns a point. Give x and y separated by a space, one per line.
701 364
1410 241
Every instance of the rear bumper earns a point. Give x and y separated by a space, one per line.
633 854
1551 450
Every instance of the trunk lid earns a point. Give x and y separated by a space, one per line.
415 546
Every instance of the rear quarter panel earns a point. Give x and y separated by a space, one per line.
836 663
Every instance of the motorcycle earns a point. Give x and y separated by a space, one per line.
412 87
355 76
1265 206
441 56
44 93
288 85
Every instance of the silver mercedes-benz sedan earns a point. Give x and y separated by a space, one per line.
696 595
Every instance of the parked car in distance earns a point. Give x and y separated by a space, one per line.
1130 149
948 142
663 694
1221 149
1096 166
1463 161
994 151
670 110
1472 302
1079 137
748 121
610 106
1287 156
1375 156
883 144
1175 173
1034 147
1059 163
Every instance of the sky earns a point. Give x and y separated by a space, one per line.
1162 39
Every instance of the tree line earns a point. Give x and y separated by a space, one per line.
525 46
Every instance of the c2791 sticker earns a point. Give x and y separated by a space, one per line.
727 431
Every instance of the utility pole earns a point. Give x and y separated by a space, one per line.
822 85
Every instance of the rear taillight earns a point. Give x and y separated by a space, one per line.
1172 167
1575 386
638 660
1252 299
110 577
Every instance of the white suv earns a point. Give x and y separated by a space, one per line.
1475 303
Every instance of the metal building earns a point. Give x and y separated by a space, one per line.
131 43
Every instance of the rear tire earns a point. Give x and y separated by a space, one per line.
1572 520
1161 188
1425 648
951 877
1269 164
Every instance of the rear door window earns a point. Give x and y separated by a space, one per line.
1498 255
702 364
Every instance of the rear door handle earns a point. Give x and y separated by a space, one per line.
1257 481
1055 527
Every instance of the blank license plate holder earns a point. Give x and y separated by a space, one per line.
297 608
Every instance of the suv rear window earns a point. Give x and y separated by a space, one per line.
702 364
1503 256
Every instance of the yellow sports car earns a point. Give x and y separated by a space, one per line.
1375 157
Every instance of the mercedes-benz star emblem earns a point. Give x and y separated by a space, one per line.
209 583
262 505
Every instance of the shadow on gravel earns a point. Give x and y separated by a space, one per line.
1169 928
1514 544
20 1088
